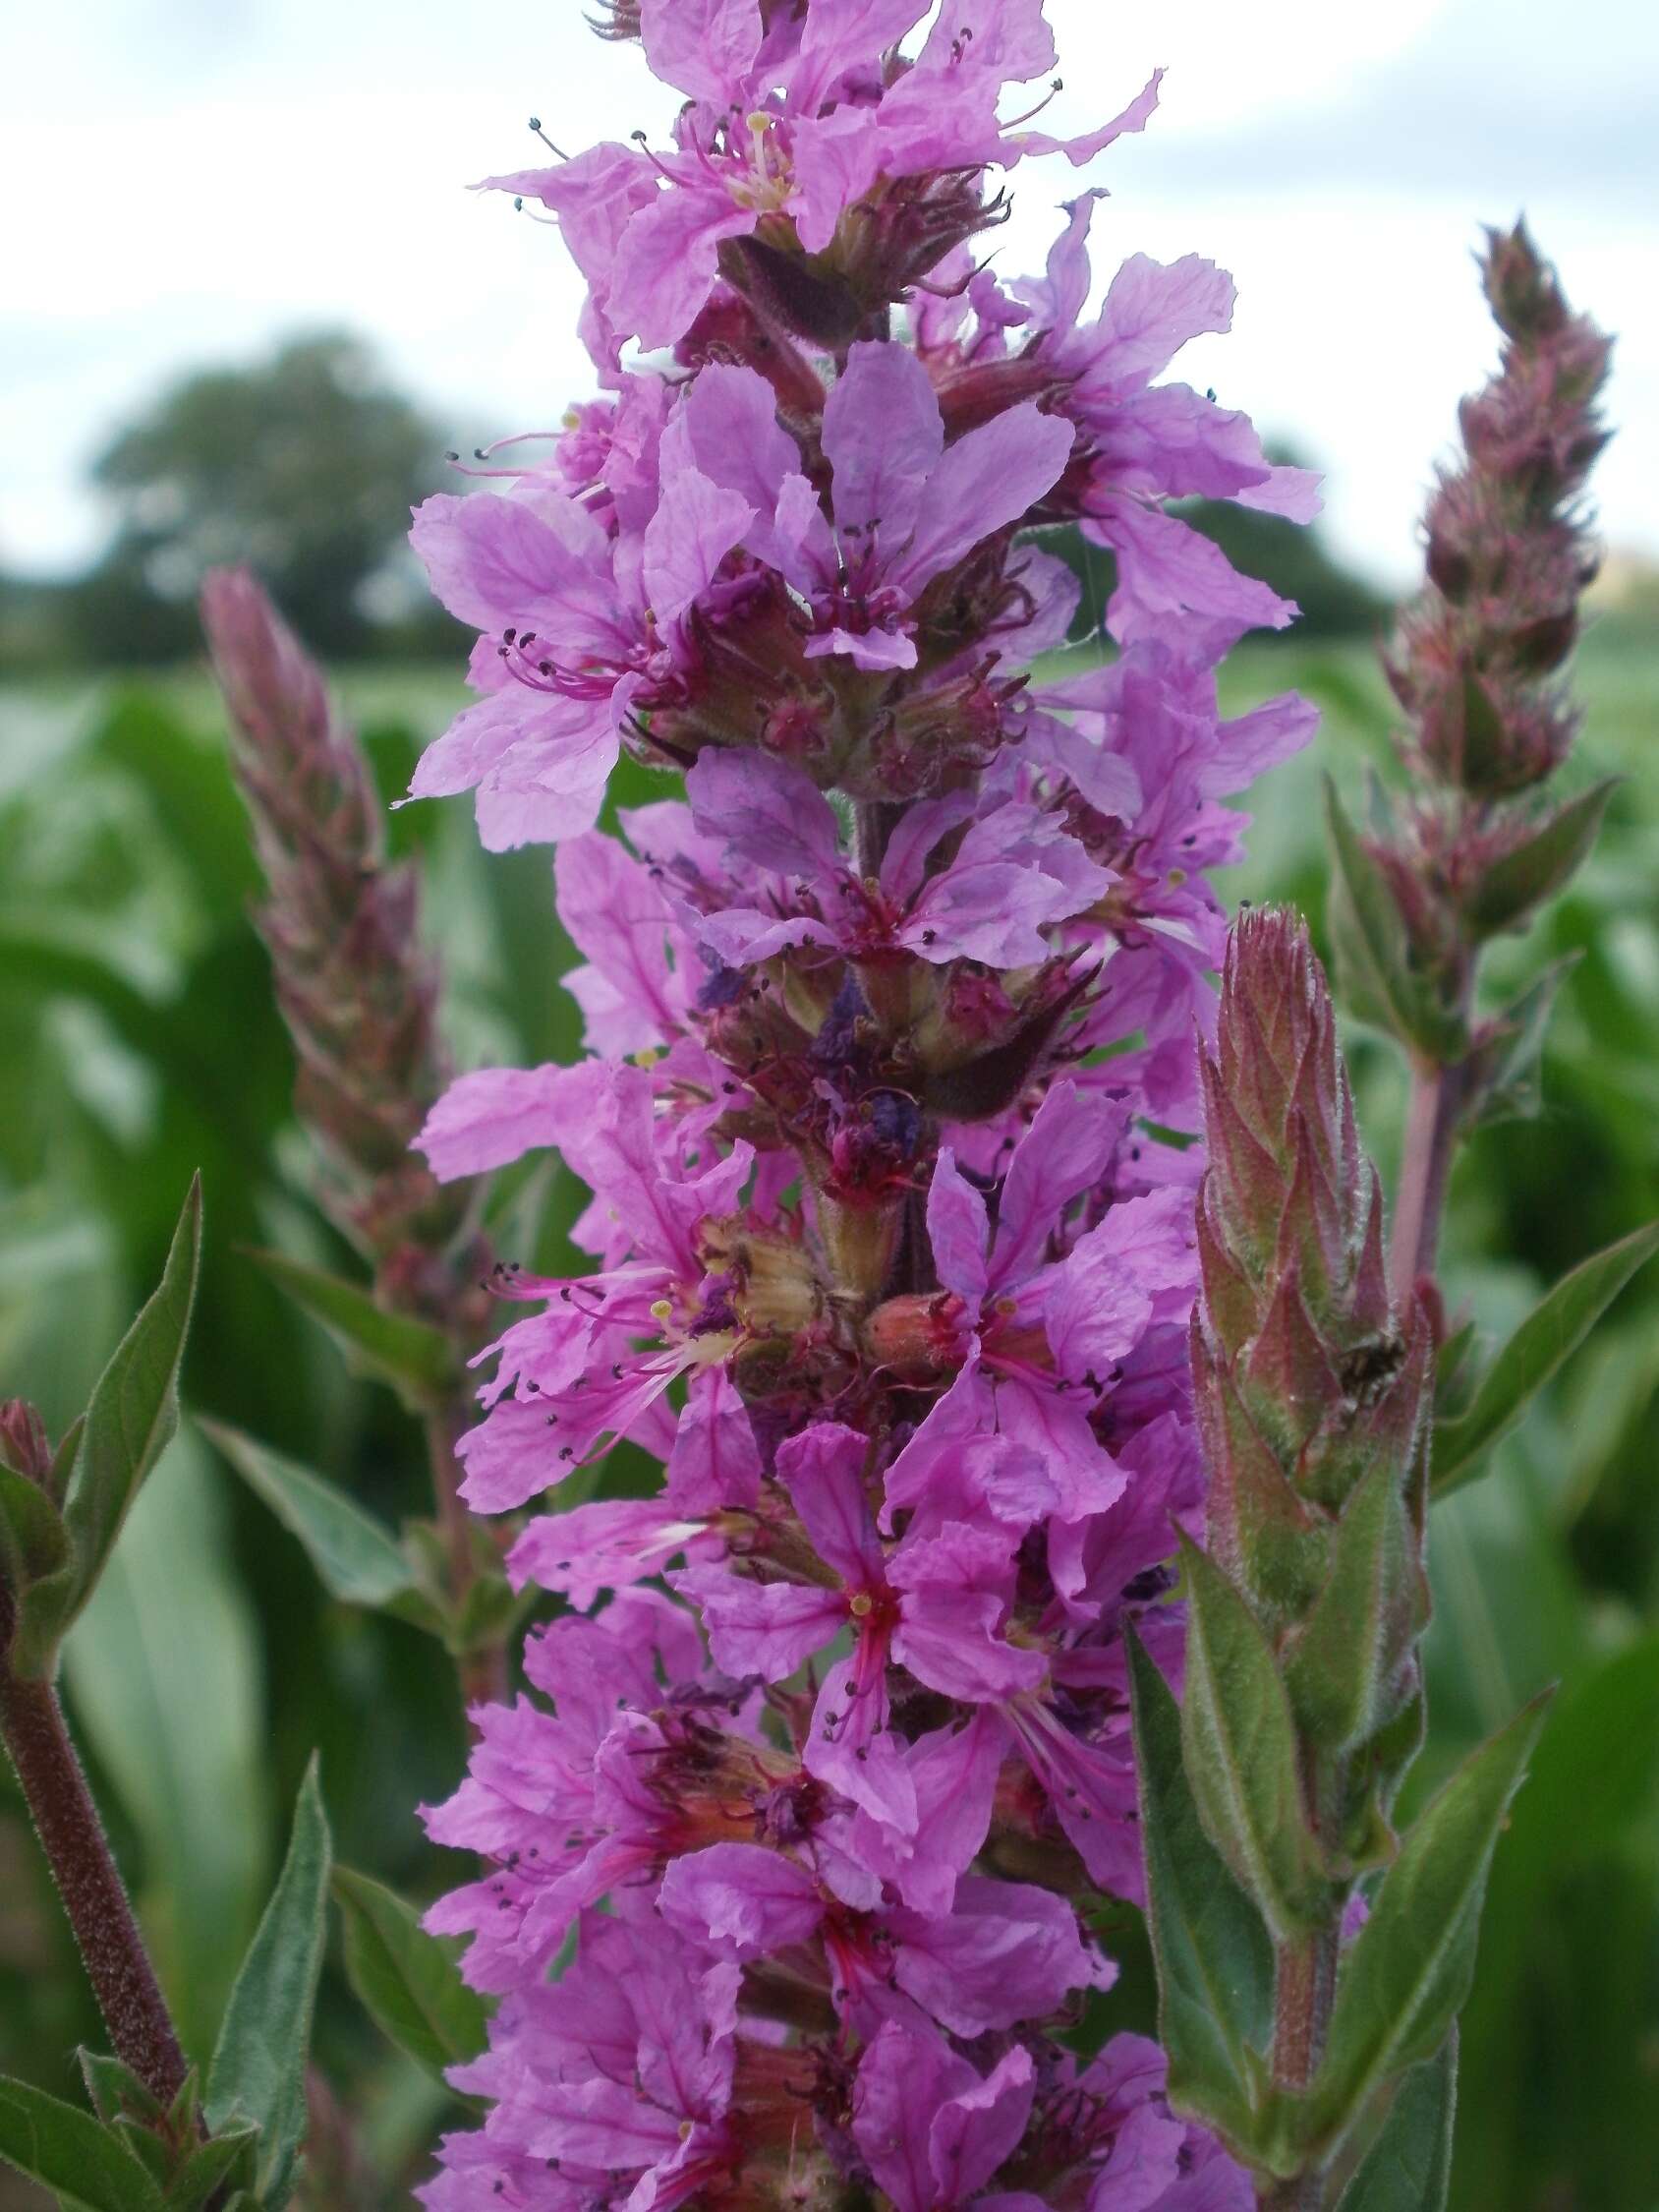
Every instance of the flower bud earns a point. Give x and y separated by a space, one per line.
1312 1394
24 1445
1507 551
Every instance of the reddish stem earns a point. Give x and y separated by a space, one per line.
72 1836
1431 1136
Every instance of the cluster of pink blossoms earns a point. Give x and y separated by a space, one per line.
891 1023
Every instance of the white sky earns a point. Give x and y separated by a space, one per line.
186 180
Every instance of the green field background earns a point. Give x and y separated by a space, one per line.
138 1042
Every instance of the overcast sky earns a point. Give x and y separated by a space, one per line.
185 180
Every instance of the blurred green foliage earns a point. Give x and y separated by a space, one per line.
139 1042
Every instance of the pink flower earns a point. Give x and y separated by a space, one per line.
783 132
932 2128
582 633
590 1366
904 506
1013 873
1138 443
892 1257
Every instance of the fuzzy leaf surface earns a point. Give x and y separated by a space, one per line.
67 2151
1404 1982
259 2072
1409 2167
1238 1745
130 1421
1213 1951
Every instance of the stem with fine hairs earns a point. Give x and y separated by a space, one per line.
72 1836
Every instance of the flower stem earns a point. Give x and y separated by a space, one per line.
1431 1132
1305 1978
72 1836
482 1673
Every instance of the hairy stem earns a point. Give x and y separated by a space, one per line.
1304 1986
72 1836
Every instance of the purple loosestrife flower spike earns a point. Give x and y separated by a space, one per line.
1508 548
358 995
891 1261
356 990
1476 848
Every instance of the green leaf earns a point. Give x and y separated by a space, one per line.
1373 957
416 1358
1238 1743
153 2154
1409 2167
114 2090
408 1982
1214 1955
64 1458
165 1667
357 1560
134 1413
67 2151
1453 1369
1345 1660
1508 891
1553 1330
1404 1980
258 2070
34 1542
1502 1079
231 2157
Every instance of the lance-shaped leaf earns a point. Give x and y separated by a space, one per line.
1213 1952
67 2151
227 2161
168 2140
416 1358
1409 2167
357 1560
1344 1668
1372 955
1553 1330
1502 1079
257 2076
1239 1742
409 1982
1404 1980
1534 870
130 1419
114 2090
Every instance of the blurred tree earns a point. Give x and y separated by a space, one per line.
305 467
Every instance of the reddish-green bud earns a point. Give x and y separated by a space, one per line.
1312 1394
24 1445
